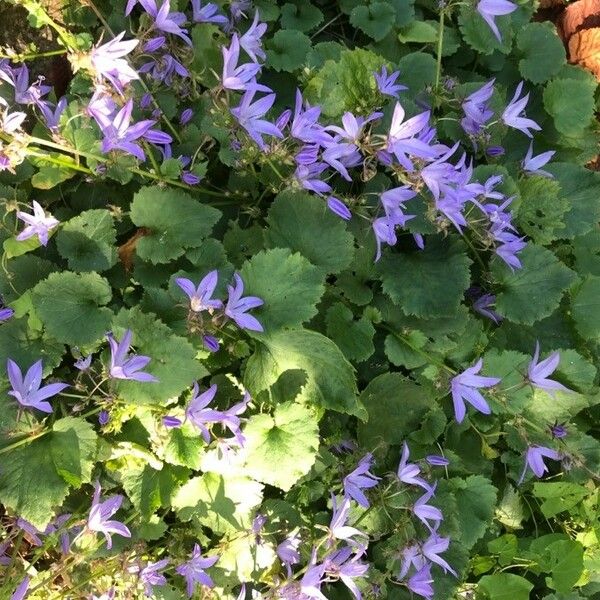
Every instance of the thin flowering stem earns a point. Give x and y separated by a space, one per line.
16 57
440 45
41 17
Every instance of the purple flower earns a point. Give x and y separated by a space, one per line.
37 224
409 472
310 584
437 461
308 177
288 553
118 134
534 164
237 307
27 390
515 107
170 421
6 314
495 151
483 305
558 431
248 116
100 513
193 570
251 41
124 367
24 93
534 459
83 363
465 386
52 116
337 207
476 109
360 479
207 13
538 372
305 123
108 62
420 582
489 9
386 84
103 418
151 575
211 343
201 296
31 531
426 512
186 116
338 530
163 70
154 44
432 547
402 138
197 411
21 592
242 78
345 566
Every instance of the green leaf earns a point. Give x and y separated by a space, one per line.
300 15
533 292
505 586
330 377
580 187
558 496
72 307
346 84
21 274
14 248
173 359
586 249
541 209
395 406
49 174
184 447
283 447
24 346
221 503
290 286
585 308
322 238
418 72
150 489
510 511
543 52
176 221
476 499
422 32
564 560
287 50
376 20
36 477
477 33
354 337
570 102
87 242
207 40
430 282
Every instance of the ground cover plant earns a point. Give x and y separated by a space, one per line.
300 301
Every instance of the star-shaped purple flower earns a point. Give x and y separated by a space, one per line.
464 387
237 307
123 366
201 295
100 513
534 459
27 390
193 570
489 9
538 372
37 224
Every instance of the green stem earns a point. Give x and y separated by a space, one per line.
440 44
62 163
475 253
137 171
24 441
23 57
